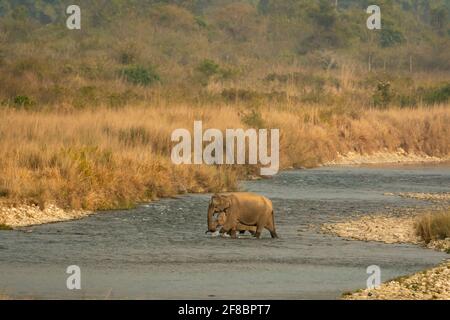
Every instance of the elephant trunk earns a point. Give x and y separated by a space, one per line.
212 225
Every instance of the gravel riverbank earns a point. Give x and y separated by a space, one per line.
429 284
27 215
385 157
432 284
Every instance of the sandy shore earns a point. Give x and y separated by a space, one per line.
27 215
384 157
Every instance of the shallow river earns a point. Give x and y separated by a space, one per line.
160 250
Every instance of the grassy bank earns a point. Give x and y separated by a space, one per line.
105 158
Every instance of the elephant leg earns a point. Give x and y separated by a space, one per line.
259 229
233 234
273 233
271 226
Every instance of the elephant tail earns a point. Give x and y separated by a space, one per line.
273 232
273 220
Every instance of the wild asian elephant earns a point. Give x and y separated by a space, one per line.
242 210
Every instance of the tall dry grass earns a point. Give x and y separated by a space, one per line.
433 226
104 158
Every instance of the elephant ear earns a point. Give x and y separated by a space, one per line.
225 201
214 199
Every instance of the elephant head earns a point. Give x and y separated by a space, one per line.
219 204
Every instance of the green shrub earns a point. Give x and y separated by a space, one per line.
383 94
407 101
390 37
22 101
437 95
201 22
139 75
208 68
253 119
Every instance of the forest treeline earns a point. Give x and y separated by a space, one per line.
284 51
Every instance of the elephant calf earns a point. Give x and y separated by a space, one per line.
243 211
222 218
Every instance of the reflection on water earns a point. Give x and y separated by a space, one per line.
160 250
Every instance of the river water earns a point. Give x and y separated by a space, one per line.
160 250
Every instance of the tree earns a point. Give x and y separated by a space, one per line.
324 15
5 8
439 19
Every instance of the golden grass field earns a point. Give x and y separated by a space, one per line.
104 158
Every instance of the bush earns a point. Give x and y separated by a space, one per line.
253 119
201 22
437 95
383 94
208 68
5 227
433 226
407 101
22 101
390 37
139 75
